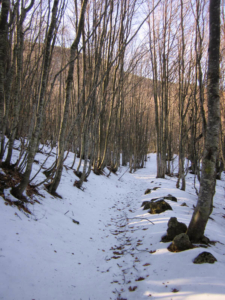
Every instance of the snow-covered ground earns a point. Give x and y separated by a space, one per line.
115 251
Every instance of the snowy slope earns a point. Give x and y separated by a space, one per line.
115 251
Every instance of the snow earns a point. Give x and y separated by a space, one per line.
47 256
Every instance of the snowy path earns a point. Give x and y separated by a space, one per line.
111 254
111 241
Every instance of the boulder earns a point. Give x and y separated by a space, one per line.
148 191
204 257
181 242
205 240
156 199
175 228
146 205
170 197
165 239
77 173
184 204
144 202
159 206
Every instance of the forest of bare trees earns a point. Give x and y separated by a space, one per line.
106 79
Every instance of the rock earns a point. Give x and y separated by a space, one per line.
175 228
159 206
156 199
204 257
148 191
165 239
205 240
181 242
171 198
144 202
184 204
77 173
146 205
156 188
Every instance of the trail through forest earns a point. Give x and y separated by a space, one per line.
115 251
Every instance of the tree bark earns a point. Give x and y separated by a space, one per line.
208 179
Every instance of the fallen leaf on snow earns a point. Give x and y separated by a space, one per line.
132 289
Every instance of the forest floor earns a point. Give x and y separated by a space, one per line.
115 251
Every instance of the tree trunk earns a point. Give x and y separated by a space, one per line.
208 180
54 185
3 43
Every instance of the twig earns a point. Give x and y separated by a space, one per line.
40 183
124 173
36 219
135 267
40 167
141 219
140 250
66 212
16 214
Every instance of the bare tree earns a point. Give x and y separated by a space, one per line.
161 44
208 179
3 50
18 52
18 190
73 51
184 74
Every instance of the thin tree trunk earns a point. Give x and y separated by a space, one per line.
18 190
54 185
3 42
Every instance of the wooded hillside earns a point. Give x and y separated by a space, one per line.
133 80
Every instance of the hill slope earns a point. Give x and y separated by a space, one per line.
115 251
